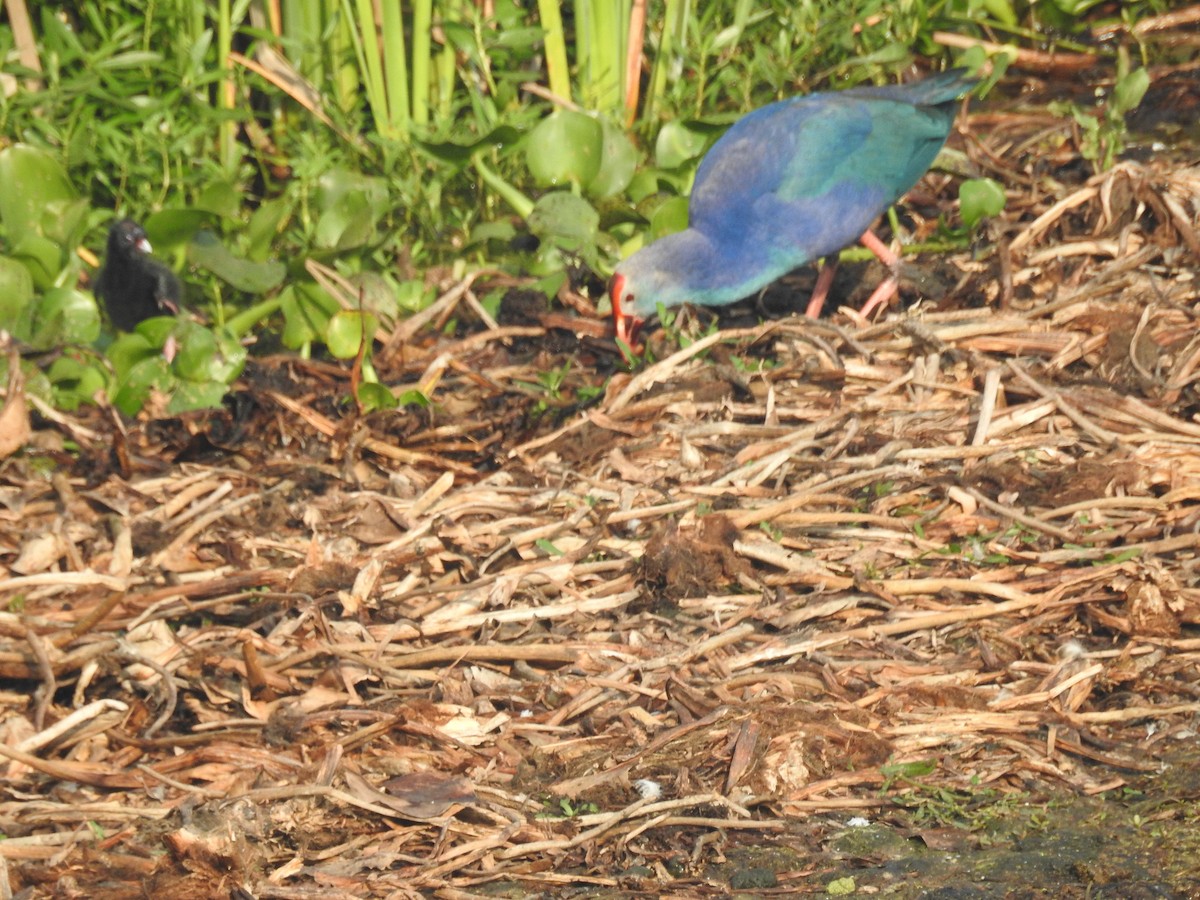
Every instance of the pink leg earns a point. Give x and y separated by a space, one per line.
879 248
821 289
884 293
887 289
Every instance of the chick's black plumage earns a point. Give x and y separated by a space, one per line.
132 285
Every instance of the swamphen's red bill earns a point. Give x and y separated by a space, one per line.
627 324
788 184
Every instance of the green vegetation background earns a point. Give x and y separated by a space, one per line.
306 166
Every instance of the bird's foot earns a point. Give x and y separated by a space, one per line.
821 289
880 298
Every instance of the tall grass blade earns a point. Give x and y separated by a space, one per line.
557 69
395 67
422 51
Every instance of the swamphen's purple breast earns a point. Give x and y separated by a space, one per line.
786 185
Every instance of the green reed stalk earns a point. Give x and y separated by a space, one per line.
557 69
422 47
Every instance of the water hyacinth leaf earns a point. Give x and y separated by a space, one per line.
265 223
221 199
979 199
151 373
207 356
306 310
156 330
207 252
677 144
41 256
502 138
669 217
64 316
346 224
16 292
565 220
644 184
34 183
171 227
414 296
76 381
348 331
618 162
564 147
190 395
350 204
128 350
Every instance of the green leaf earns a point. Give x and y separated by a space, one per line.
618 162
264 225
306 309
76 381
375 294
460 154
413 397
565 220
42 256
350 205
34 183
156 330
677 143
565 147
374 396
671 216
348 330
16 291
128 350
1002 11
210 254
206 356
189 395
979 199
171 227
1129 91
345 225
151 373
221 199
414 296
1076 8
65 316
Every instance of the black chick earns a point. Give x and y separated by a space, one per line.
132 285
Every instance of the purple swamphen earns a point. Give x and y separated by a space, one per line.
133 285
788 184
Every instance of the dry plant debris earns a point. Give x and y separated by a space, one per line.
291 652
